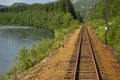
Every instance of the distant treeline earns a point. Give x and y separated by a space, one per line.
39 15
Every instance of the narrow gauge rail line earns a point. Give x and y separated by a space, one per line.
83 65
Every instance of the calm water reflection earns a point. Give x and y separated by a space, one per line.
12 38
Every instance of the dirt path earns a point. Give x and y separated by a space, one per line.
109 61
58 66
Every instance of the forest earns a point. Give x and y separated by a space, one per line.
97 20
39 15
58 16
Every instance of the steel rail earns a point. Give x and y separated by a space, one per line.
74 65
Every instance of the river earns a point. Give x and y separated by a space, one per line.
13 37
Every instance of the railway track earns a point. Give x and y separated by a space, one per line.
83 64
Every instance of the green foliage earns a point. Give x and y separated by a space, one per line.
2 78
39 15
28 58
114 22
99 30
23 61
114 34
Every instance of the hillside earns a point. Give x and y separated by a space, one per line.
80 5
18 4
114 22
3 6
13 5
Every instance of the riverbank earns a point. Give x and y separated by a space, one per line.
55 64
12 38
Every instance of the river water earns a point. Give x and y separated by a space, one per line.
11 40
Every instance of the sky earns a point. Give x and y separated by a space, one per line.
10 2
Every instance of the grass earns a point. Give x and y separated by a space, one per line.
113 32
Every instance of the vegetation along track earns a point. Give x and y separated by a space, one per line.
83 64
